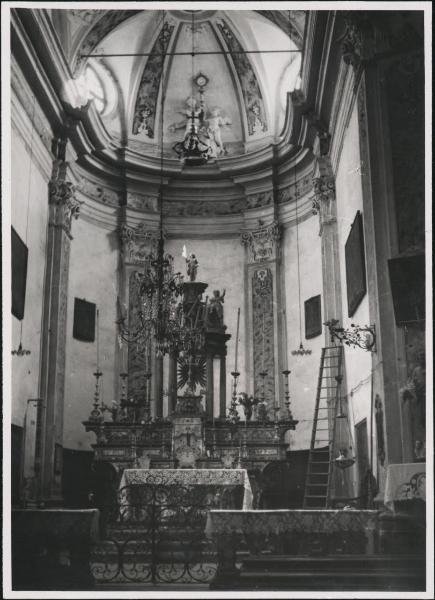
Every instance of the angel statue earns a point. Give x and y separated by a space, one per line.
194 113
214 124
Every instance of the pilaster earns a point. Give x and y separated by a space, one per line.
264 310
63 208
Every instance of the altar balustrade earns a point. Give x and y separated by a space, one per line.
289 532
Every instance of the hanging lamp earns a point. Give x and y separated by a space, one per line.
301 351
192 151
160 289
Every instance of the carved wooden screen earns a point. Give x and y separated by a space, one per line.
19 253
355 265
313 317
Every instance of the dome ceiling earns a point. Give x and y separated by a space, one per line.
240 95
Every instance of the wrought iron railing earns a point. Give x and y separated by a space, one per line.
157 535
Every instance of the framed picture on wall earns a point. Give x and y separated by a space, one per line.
355 265
313 317
19 257
84 320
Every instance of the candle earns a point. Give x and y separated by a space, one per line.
284 324
237 338
98 340
263 342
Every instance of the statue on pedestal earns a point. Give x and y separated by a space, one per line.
215 312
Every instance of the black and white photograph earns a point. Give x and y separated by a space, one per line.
217 299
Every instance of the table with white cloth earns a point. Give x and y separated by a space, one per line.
214 488
405 483
300 532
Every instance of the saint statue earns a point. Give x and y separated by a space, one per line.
192 267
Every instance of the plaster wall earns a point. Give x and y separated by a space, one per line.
29 214
358 362
304 369
93 264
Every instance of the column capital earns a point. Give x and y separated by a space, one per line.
263 242
64 206
323 199
136 242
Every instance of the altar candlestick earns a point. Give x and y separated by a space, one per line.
284 314
237 338
98 339
263 343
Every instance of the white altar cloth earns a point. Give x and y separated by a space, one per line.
190 477
404 482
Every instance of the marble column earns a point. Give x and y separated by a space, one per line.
63 207
223 388
209 397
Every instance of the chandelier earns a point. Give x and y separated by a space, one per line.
166 313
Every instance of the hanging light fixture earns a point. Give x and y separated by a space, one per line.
20 351
301 351
192 151
160 313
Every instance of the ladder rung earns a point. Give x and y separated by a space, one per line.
314 496
317 484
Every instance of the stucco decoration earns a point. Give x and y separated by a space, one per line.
104 25
260 199
203 208
98 192
146 99
86 16
142 202
263 336
136 243
253 99
288 193
63 205
324 195
137 351
262 243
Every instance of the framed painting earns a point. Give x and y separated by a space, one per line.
355 265
19 257
313 317
84 320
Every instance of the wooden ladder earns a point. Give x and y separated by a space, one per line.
320 457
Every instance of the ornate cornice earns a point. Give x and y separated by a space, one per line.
262 243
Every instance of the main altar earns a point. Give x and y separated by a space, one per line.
247 433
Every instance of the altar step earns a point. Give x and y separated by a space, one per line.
331 573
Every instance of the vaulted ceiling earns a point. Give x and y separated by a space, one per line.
250 60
